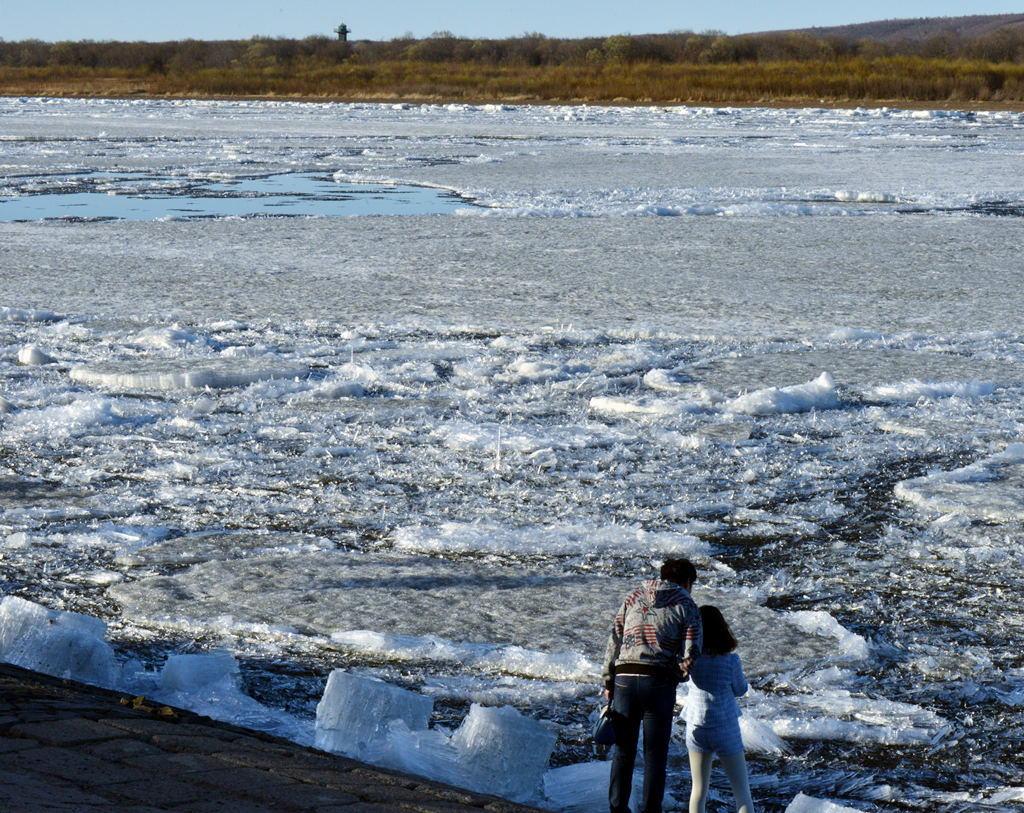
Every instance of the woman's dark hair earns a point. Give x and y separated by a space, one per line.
680 571
718 639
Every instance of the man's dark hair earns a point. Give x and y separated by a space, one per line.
680 571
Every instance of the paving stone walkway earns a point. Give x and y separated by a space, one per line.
71 747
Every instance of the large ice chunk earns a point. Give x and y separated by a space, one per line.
819 622
18 615
583 788
820 393
31 355
495 750
354 713
760 738
503 752
187 673
25 315
62 644
808 804
208 684
425 753
66 653
184 374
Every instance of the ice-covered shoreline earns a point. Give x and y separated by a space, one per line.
198 584
496 749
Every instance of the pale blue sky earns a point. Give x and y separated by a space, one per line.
53 20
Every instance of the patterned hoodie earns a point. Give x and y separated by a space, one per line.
657 625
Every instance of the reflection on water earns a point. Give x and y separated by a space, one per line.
137 196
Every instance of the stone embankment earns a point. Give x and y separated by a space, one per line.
68 746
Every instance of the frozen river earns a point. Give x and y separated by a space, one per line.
438 448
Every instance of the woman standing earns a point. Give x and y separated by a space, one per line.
712 714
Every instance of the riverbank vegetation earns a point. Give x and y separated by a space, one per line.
708 68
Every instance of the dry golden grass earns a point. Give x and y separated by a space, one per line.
891 80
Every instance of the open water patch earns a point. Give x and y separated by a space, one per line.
101 196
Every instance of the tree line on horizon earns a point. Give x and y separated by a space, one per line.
531 49
686 66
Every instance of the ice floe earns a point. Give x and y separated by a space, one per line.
553 540
28 315
818 394
991 489
153 374
31 355
914 391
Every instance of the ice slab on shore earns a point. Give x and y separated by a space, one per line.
502 751
71 645
209 684
191 672
495 750
583 788
17 615
65 653
355 711
56 643
426 752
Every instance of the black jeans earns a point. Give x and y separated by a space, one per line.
648 700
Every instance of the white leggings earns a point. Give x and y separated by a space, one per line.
735 769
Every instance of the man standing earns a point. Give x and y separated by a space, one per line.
656 635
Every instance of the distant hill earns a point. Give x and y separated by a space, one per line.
917 29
